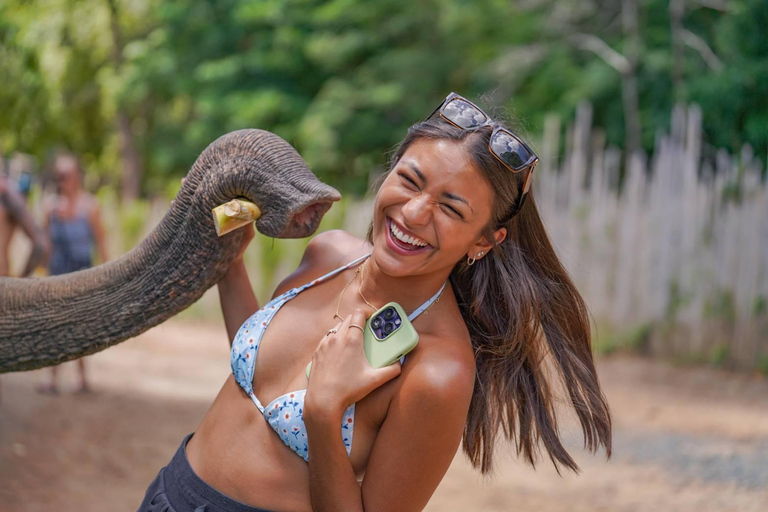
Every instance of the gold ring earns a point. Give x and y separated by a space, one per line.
355 325
331 331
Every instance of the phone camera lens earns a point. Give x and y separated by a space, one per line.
388 314
376 322
388 328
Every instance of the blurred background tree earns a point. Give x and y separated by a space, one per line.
140 88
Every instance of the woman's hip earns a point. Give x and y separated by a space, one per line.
178 489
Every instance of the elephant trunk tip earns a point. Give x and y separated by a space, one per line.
306 221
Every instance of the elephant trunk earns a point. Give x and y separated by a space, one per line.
50 320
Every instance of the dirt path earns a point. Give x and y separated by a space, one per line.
685 439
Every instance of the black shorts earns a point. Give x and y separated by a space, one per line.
178 489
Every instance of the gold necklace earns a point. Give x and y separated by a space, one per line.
362 281
338 303
426 311
360 290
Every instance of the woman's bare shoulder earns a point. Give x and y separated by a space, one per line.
87 203
325 252
336 247
448 364
443 366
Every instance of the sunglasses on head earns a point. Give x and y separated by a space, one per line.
507 147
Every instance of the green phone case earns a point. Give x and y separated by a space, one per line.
381 352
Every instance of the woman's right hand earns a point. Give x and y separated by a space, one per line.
340 373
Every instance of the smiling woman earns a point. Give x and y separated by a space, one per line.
451 237
519 304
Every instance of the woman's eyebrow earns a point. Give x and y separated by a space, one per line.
458 198
417 171
423 179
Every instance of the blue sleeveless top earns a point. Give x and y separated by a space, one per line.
71 244
285 413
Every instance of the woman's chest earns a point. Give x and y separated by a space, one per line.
66 209
289 335
289 339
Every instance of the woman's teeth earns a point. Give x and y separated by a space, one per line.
404 238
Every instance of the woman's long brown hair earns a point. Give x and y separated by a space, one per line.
523 312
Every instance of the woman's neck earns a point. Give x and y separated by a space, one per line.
72 196
410 292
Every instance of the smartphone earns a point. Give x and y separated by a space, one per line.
387 336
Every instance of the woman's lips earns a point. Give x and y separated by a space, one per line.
398 246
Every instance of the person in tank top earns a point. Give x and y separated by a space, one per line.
73 224
454 242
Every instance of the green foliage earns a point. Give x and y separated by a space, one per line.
733 100
133 219
762 364
731 193
343 79
719 355
272 252
634 339
721 305
760 306
676 300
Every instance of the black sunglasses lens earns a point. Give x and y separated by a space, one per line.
463 114
510 150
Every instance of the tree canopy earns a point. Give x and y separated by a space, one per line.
343 79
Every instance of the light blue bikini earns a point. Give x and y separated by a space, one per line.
284 413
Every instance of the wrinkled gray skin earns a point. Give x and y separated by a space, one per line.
54 319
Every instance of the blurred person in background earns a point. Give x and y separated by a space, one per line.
14 212
74 229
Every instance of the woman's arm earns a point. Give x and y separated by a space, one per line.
415 444
419 437
340 376
238 301
19 212
332 481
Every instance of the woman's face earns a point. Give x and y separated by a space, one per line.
436 196
66 175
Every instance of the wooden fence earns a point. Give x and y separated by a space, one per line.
678 247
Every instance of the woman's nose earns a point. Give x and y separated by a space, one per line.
417 210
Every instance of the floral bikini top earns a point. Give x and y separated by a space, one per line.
284 413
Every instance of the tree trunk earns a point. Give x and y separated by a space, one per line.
129 156
676 11
633 128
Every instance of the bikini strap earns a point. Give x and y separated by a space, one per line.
328 275
345 267
428 303
423 308
332 273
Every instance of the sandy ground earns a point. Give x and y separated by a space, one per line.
686 439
